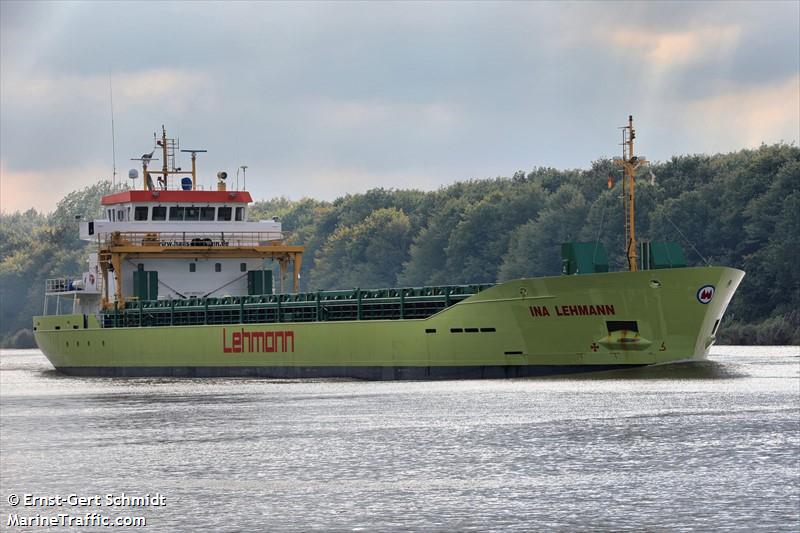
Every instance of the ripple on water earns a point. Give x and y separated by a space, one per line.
703 445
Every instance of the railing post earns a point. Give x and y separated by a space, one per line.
447 296
319 307
172 311
241 309
141 313
358 296
278 316
116 314
205 311
402 304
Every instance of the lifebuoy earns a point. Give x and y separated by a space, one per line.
91 279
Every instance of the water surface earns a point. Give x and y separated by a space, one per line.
696 446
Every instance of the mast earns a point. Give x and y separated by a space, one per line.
629 163
163 143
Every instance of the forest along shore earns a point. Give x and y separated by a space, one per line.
740 209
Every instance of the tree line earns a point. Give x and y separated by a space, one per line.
740 209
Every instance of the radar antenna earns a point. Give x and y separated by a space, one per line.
194 165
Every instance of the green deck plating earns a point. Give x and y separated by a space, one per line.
517 328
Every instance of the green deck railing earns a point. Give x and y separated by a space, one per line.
355 304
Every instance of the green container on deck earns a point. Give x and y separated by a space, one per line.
663 255
259 282
583 258
145 284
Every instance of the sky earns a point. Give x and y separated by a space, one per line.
324 99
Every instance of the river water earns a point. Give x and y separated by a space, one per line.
696 446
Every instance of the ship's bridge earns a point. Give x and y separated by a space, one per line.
171 211
166 242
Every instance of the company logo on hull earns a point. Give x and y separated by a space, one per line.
705 294
257 341
572 310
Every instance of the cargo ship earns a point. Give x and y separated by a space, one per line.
180 283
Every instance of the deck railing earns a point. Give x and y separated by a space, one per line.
209 239
54 285
320 306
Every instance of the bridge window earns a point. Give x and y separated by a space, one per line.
140 213
176 213
224 213
206 213
159 213
217 267
192 267
192 213
239 214
243 267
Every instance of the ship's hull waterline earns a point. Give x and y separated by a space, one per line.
537 326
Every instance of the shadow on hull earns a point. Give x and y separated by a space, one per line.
369 373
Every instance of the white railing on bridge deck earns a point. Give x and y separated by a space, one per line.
54 285
215 239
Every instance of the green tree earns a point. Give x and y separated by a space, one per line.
533 249
367 254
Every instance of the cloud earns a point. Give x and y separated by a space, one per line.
21 190
327 98
662 50
372 113
161 86
750 116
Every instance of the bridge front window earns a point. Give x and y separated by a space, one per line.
207 213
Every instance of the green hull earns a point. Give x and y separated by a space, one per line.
518 328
